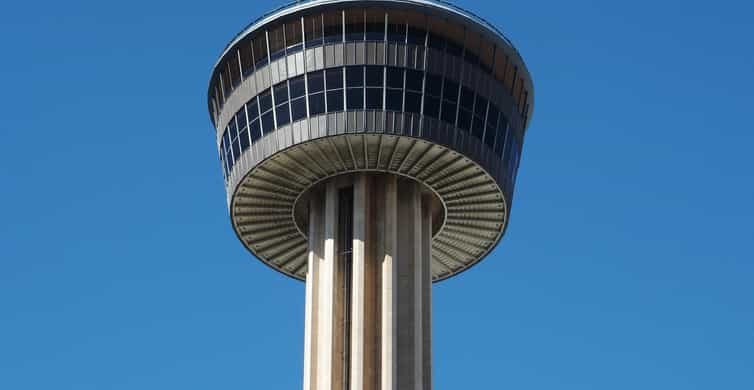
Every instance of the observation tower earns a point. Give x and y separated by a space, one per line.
369 148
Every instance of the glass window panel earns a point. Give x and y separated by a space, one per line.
374 76
492 117
283 115
454 36
374 98
244 140
296 87
413 102
500 63
450 91
236 150
277 43
226 138
355 25
467 98
268 123
256 131
394 100
247 61
464 120
316 104
281 93
433 85
252 110
293 35
414 79
489 135
396 27
375 25
394 77
234 68
313 30
431 106
226 82
260 50
477 127
265 101
333 21
436 41
436 29
241 118
501 138
334 78
510 75
335 100
298 109
472 47
480 107
486 53
232 129
416 35
354 76
316 81
355 98
449 112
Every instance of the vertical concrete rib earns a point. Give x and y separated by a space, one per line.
389 238
316 241
358 284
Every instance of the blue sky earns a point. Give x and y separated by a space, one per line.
628 263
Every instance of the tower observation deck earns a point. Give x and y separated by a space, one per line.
369 148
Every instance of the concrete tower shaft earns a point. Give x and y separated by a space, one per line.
368 295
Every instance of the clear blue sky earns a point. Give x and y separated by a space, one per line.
628 263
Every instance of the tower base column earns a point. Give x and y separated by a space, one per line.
368 287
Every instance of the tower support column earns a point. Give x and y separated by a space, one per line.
368 286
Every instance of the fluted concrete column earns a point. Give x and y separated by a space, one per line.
371 331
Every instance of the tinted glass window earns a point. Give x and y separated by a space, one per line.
396 30
335 100
281 93
355 25
374 76
268 123
333 27
414 80
374 98
277 43
293 36
265 101
375 25
354 76
313 30
413 102
355 98
464 120
316 104
283 116
296 87
449 112
394 77
241 118
416 35
394 100
467 98
433 86
431 106
298 109
255 130
251 109
335 78
436 41
450 91
244 140
316 82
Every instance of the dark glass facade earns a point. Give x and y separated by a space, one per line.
380 88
